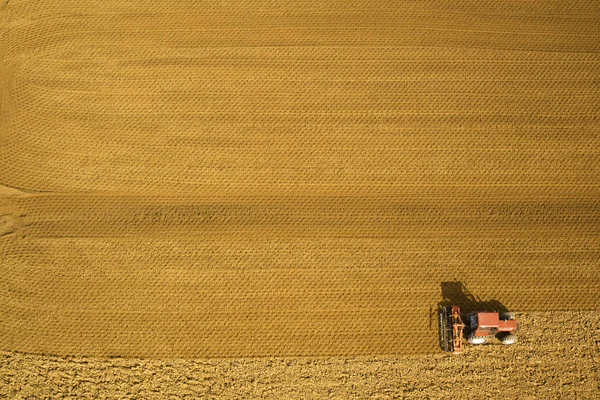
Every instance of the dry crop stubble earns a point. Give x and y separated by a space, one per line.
291 178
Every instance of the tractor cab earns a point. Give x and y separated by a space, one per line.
484 323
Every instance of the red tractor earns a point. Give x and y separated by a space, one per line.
481 325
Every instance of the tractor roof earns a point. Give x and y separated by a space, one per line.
488 319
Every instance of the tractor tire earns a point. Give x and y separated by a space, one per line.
475 340
507 316
508 339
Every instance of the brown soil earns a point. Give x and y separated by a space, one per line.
291 178
557 357
249 276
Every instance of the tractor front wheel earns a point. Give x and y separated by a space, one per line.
508 339
477 339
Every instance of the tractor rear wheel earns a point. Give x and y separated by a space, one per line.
507 315
477 340
508 339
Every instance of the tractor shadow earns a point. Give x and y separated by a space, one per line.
455 293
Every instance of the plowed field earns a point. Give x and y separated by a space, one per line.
291 178
546 363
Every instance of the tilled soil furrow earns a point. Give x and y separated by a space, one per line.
271 178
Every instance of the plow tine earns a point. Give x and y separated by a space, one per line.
445 338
